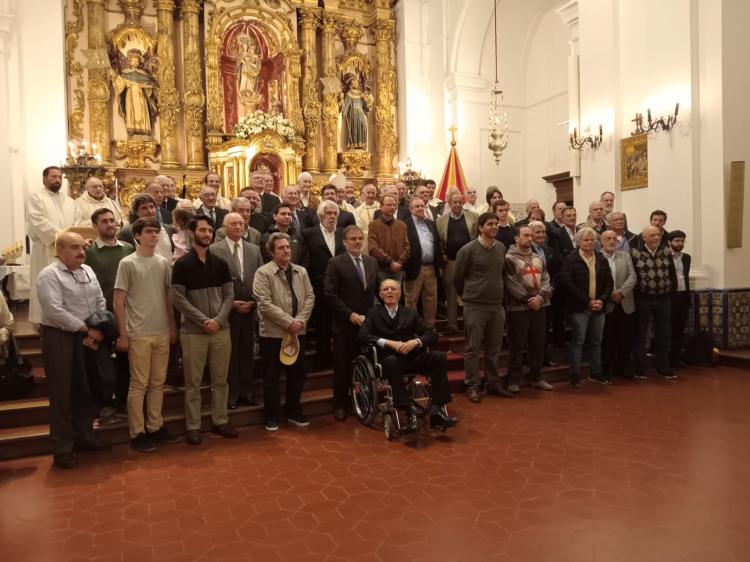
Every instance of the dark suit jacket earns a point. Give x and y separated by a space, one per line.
220 214
299 250
414 263
553 262
574 281
319 255
560 241
686 261
406 326
401 214
268 201
170 203
305 219
260 221
344 291
166 212
252 260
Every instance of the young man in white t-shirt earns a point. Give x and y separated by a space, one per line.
143 306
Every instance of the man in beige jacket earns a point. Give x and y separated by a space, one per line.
285 303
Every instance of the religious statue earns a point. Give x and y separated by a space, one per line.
247 70
355 107
135 87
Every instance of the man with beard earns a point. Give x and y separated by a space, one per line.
47 213
204 294
282 218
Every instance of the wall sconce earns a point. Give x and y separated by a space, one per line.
660 123
578 143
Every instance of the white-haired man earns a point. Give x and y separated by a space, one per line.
94 198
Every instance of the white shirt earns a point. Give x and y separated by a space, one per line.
472 207
68 297
330 239
612 267
677 259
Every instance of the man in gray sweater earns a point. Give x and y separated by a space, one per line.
479 281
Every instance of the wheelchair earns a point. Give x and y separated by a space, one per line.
372 397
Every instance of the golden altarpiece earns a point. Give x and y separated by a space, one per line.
183 87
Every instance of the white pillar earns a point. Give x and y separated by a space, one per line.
569 15
9 232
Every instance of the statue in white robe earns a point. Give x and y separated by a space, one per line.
47 213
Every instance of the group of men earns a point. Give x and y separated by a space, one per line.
271 266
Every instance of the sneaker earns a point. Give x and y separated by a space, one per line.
514 388
472 393
142 444
639 377
161 435
668 374
272 426
299 420
597 380
543 385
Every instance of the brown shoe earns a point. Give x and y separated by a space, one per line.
472 393
225 431
193 437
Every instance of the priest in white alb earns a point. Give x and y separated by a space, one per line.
48 212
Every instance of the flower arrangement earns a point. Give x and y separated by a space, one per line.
258 121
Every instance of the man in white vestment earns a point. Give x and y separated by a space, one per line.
47 213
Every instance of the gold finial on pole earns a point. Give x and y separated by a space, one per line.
453 130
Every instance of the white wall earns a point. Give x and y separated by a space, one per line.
33 124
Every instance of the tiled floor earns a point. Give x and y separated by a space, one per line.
637 472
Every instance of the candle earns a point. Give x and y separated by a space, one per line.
676 109
649 116
93 147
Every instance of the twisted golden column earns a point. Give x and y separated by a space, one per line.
310 103
193 96
100 112
169 101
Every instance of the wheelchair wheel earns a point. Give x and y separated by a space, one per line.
389 426
419 392
364 391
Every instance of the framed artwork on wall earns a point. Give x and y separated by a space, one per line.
634 162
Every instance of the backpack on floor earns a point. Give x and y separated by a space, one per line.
699 350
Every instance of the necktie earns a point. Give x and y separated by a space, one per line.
212 216
236 256
361 271
295 222
295 302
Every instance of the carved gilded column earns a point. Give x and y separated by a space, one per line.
294 72
310 103
385 97
215 105
98 82
193 97
169 102
331 90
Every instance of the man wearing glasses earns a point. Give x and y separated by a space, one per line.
68 294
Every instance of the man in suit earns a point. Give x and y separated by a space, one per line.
349 282
679 272
156 191
243 259
403 339
301 219
259 220
170 200
617 344
531 204
563 239
243 207
269 199
209 208
328 193
323 242
455 228
424 263
552 264
431 212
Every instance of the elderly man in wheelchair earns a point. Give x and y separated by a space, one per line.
397 344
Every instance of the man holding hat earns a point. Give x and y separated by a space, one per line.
285 302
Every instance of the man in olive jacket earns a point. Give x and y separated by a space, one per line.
285 303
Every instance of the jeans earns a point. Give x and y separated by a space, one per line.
587 328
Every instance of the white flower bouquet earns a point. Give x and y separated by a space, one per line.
258 121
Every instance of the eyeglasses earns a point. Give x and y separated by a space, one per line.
78 278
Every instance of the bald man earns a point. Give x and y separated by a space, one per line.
69 293
156 191
531 204
93 199
307 199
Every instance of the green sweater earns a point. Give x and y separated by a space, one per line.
104 261
479 273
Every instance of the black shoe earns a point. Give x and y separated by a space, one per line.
667 374
639 376
142 444
161 435
272 426
549 363
300 420
247 401
93 445
232 405
441 420
599 380
225 431
65 460
412 420
495 390
340 414
193 437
